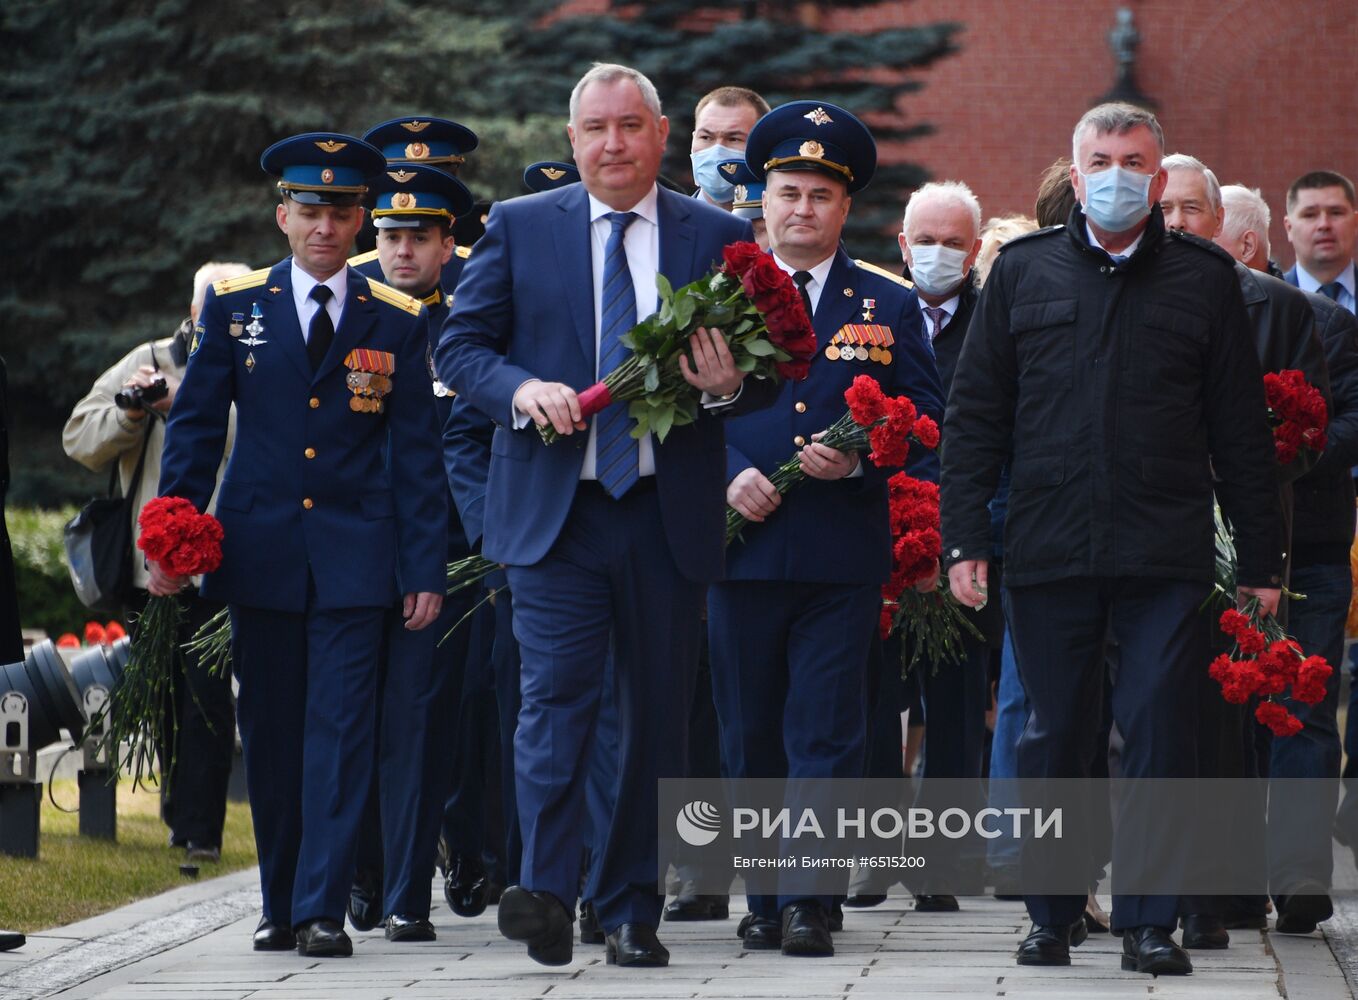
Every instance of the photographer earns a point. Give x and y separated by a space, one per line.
122 419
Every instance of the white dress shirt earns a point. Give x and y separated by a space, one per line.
1348 297
1131 247
818 275
303 283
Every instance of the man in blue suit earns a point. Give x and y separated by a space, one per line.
608 538
329 374
790 628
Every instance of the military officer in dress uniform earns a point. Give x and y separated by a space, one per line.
790 628
749 197
418 693
433 142
332 508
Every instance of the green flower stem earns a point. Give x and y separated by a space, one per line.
931 627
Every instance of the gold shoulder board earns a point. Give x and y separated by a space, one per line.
363 258
883 272
463 252
242 281
392 297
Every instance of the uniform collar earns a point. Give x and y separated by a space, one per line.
303 283
433 298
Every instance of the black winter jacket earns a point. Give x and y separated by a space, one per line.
1118 389
1322 527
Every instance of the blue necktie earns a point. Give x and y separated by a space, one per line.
616 453
1331 290
935 314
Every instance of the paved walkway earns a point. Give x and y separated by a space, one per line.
194 943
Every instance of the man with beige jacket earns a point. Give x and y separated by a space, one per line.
101 431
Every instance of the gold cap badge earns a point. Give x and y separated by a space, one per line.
403 199
330 146
402 176
741 193
415 126
818 117
417 151
730 168
812 149
553 173
327 176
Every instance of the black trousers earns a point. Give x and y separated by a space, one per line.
1059 632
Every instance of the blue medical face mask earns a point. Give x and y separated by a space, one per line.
709 178
1116 199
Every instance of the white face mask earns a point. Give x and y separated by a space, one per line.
1116 199
936 269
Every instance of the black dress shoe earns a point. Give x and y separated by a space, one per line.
635 945
9 940
806 930
1204 931
323 939
691 905
541 921
760 933
835 921
365 909
591 932
1300 911
467 886
403 928
1152 950
926 903
271 937
1079 933
1045 945
863 900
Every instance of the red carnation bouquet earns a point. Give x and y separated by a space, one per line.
1265 662
184 543
749 298
931 623
1297 413
876 424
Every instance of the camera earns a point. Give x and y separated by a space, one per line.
136 397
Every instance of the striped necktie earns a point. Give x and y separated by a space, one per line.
617 453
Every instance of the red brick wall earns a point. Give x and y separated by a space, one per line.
1260 90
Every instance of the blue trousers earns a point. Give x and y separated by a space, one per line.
306 715
1060 632
1304 852
1011 715
789 678
609 575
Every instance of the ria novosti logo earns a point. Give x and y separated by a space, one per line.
698 823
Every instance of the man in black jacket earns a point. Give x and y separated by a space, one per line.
1105 358
1322 533
1284 339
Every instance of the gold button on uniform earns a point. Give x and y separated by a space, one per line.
307 504
310 453
799 440
800 407
315 402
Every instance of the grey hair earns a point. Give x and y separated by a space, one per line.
1116 118
954 191
1182 161
213 270
611 73
1246 212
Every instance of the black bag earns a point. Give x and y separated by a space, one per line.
99 543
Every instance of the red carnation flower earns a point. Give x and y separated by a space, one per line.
68 640
113 631
867 402
1278 719
1312 675
94 634
926 431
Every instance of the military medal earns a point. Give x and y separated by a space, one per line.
255 328
868 306
250 362
237 327
860 352
832 352
369 379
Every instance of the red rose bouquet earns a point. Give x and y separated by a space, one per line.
1297 413
931 622
749 298
875 423
1265 662
184 543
